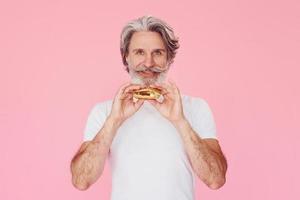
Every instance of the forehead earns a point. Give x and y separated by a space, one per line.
146 40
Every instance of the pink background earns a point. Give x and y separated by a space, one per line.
58 58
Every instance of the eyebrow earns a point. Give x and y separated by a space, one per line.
153 50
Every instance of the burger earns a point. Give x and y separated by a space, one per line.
147 93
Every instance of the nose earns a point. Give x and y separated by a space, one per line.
149 62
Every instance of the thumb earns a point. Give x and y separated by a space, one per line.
139 103
154 103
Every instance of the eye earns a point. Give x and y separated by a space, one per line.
139 52
158 53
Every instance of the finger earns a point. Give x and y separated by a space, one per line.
122 88
171 82
164 86
174 86
166 92
163 90
168 88
129 88
139 103
125 96
132 87
154 103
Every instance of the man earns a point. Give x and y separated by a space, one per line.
155 148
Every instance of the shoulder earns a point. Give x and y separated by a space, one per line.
199 114
195 105
102 107
193 101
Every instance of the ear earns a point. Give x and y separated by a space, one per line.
126 58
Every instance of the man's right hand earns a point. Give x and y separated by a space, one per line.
123 105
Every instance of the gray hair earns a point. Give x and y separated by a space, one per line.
149 23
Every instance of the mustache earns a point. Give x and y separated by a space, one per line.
152 69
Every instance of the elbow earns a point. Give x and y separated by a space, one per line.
217 184
80 186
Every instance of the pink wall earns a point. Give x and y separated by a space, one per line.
59 58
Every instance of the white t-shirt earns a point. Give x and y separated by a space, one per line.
147 156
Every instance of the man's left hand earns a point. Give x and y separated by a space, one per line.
171 107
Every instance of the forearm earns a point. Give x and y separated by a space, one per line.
209 165
88 164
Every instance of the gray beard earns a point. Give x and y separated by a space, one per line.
136 79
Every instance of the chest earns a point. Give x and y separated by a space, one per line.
147 133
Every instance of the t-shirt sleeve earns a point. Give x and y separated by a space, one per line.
203 122
95 121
